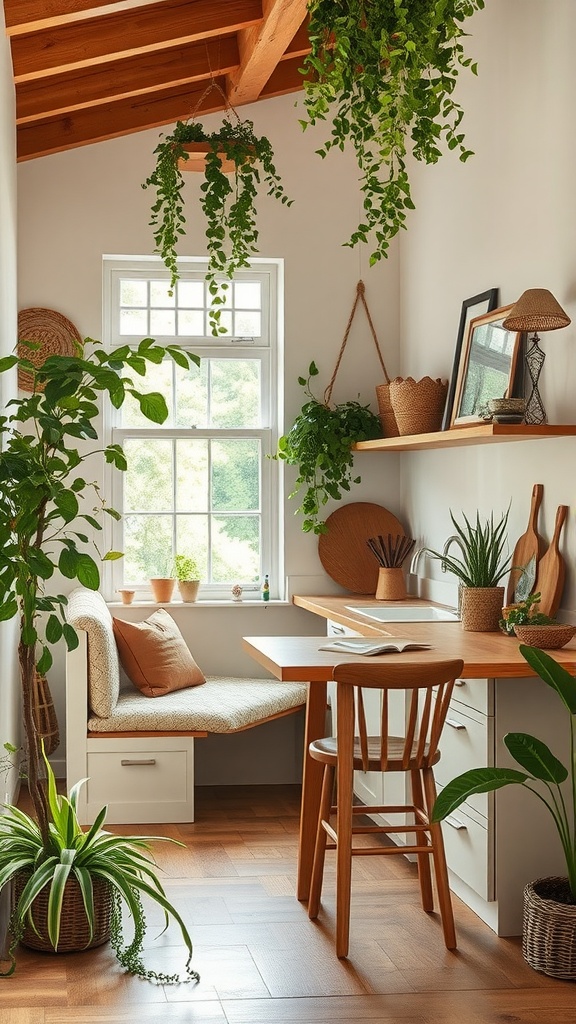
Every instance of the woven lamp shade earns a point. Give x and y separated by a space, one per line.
536 310
53 333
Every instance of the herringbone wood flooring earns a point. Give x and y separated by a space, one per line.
261 960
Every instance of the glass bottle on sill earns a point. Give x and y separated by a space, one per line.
266 589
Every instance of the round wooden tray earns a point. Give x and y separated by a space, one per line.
343 550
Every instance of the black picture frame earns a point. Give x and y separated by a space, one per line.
475 306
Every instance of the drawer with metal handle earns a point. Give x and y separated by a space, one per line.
469 845
467 741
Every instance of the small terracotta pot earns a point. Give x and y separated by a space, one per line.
127 596
162 589
188 590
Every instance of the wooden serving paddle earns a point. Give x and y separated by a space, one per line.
530 546
552 570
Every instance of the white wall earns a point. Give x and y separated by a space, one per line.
505 218
75 206
9 687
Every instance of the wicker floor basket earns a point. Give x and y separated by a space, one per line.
74 931
549 933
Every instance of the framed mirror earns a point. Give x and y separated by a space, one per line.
486 368
476 305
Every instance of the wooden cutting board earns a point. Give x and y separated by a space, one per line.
529 546
552 570
343 550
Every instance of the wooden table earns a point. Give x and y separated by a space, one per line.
298 658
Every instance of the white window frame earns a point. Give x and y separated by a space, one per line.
268 349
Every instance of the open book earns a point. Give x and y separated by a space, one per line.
364 645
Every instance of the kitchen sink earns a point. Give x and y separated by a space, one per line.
406 613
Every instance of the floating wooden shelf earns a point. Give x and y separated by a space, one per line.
480 433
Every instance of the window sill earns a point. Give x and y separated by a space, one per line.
256 603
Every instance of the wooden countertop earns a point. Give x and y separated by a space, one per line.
484 654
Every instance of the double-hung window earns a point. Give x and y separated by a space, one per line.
201 484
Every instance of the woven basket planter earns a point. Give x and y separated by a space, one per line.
549 932
482 609
418 405
548 637
74 931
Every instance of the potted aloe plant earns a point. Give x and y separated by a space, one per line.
46 501
482 564
227 199
549 929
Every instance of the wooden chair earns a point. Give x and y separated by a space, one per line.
428 691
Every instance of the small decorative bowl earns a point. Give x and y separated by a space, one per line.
507 406
547 638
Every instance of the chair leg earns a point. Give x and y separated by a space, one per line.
440 866
344 799
424 873
320 847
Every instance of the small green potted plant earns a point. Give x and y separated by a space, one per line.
320 444
523 613
482 564
188 576
228 200
549 928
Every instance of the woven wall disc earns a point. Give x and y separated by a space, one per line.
55 334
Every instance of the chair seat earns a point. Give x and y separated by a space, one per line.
326 749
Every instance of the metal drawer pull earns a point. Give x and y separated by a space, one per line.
459 682
455 725
127 763
454 822
337 629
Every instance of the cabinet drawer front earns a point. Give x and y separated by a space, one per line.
469 849
466 742
143 785
476 693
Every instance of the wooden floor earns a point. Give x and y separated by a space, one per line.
261 960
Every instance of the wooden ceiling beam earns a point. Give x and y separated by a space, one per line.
262 46
29 15
125 33
285 78
132 76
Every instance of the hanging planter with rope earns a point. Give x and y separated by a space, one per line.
321 438
235 162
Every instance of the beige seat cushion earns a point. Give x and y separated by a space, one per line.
87 610
155 655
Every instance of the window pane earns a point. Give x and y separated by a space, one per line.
248 325
191 294
158 378
192 539
192 395
148 480
235 549
133 293
225 321
235 398
247 295
192 475
235 475
191 322
147 547
134 321
160 294
162 321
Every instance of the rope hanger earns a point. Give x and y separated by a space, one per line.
360 296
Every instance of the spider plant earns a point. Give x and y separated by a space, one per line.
484 561
72 853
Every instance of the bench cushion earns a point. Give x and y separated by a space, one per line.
88 610
222 704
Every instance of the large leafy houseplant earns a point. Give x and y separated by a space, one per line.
227 200
383 72
46 502
543 774
320 444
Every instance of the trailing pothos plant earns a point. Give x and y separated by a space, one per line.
320 444
227 200
46 502
384 72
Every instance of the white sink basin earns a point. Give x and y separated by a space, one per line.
405 613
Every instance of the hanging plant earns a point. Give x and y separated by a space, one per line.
228 200
320 444
384 72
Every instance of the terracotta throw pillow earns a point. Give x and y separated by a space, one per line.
154 655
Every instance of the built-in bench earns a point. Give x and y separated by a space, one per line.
137 752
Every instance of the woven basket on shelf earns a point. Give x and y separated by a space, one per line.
482 608
385 410
418 405
549 931
74 931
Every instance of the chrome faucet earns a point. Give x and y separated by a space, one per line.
418 552
454 539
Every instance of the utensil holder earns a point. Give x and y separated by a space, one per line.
391 585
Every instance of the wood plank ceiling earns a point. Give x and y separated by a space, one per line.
90 70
